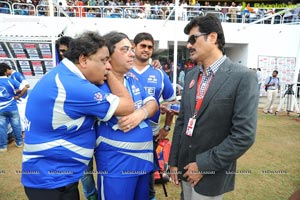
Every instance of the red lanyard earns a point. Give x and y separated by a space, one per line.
200 100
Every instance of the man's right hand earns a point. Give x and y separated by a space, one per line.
174 175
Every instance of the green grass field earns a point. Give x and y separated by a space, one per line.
270 170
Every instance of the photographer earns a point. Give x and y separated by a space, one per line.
272 86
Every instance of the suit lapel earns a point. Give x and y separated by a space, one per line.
216 83
193 87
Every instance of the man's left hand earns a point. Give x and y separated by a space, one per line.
129 122
192 173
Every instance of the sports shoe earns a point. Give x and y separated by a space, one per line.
2 150
19 145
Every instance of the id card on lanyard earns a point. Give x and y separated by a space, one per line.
192 121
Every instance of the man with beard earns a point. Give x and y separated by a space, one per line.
157 84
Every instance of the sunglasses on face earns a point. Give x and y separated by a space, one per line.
62 50
192 39
143 46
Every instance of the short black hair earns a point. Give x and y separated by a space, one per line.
3 68
275 71
64 40
143 36
208 24
85 44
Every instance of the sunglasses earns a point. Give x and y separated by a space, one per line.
143 46
63 50
192 39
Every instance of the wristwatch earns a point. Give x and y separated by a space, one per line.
167 128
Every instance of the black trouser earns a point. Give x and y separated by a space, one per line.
69 192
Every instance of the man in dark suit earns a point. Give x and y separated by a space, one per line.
218 116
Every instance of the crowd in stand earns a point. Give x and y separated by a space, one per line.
227 11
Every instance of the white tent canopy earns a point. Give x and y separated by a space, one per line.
14 27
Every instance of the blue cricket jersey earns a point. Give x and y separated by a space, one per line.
8 87
120 154
21 79
157 83
60 134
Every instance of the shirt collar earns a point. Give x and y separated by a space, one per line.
72 67
214 67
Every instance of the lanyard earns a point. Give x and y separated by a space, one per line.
200 99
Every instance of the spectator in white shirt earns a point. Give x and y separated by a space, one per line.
259 79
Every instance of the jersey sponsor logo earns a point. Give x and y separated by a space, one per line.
138 104
135 90
150 90
152 79
26 124
98 97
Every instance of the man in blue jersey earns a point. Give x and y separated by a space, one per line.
124 152
87 180
157 83
10 91
21 102
60 116
62 45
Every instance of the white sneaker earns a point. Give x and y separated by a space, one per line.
20 145
2 150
